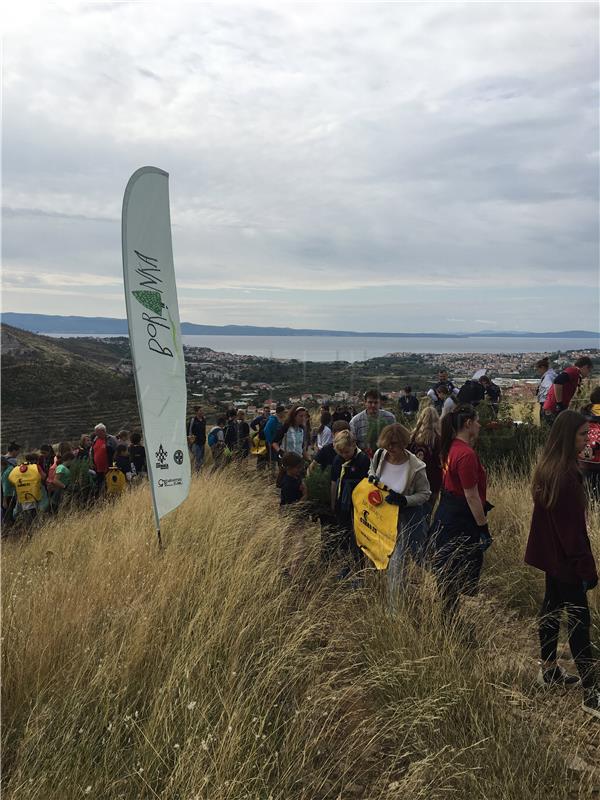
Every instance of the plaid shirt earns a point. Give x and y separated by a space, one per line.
366 428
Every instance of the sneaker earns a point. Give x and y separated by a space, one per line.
591 701
557 676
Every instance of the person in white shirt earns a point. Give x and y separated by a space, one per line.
547 375
405 476
324 434
446 399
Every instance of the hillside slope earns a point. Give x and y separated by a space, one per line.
196 672
60 388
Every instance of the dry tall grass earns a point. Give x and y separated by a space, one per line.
197 673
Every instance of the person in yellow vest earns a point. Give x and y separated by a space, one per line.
27 481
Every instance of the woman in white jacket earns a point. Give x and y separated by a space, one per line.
405 476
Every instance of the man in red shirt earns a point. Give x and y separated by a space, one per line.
564 387
102 452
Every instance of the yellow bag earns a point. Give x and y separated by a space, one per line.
115 481
259 446
375 522
27 481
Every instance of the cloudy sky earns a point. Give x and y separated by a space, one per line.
367 166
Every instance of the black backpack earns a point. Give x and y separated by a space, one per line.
471 392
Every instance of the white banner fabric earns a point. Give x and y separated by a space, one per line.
155 335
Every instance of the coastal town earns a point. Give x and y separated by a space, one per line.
221 379
218 380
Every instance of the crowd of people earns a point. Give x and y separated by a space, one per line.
421 496
38 481
396 494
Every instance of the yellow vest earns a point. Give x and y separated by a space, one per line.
115 481
27 482
375 522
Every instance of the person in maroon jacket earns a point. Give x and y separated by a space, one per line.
559 546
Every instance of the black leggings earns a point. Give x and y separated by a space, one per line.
571 598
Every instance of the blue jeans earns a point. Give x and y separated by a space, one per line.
198 453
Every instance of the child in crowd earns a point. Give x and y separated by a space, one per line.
9 496
425 443
137 454
216 442
123 437
350 466
46 459
59 479
289 480
27 482
123 461
293 490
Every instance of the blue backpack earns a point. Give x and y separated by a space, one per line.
213 436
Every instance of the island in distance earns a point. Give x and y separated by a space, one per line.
51 323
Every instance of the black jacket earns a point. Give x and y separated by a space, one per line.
197 428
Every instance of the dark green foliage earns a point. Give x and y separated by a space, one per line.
318 485
510 445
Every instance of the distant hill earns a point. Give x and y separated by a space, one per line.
48 323
62 388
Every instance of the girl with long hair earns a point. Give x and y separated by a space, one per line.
559 546
425 443
324 434
460 531
293 436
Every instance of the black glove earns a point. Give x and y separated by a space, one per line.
587 585
485 538
395 499
559 407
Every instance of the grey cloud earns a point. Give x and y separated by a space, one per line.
147 73
8 211
398 139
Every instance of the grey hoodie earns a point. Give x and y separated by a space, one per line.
417 489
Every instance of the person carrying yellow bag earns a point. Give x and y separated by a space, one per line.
390 515
259 447
27 482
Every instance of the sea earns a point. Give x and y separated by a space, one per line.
357 348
